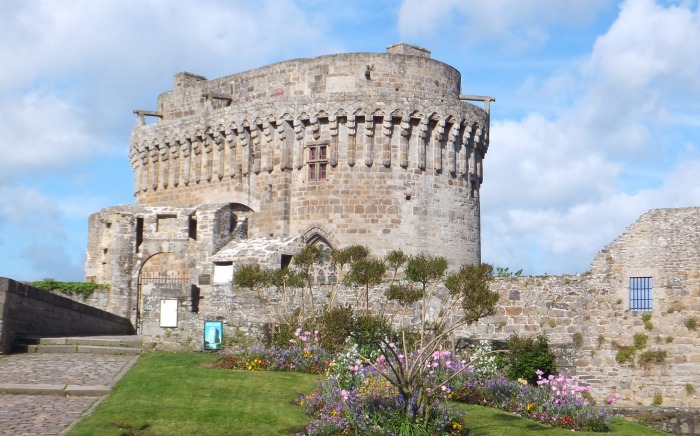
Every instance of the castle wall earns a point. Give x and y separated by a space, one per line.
593 311
402 154
25 310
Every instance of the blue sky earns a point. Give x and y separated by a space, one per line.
597 117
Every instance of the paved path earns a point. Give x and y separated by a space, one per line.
46 394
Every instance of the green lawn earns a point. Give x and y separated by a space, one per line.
173 394
484 421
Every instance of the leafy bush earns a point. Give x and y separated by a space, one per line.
647 358
368 331
640 341
625 354
279 335
336 326
527 355
691 324
69 288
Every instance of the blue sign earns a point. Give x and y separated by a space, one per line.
213 335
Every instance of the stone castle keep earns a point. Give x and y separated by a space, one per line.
382 150
367 148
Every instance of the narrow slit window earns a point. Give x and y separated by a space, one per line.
641 294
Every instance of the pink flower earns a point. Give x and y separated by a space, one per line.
445 389
344 394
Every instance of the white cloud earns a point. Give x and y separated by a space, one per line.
79 68
554 193
515 25
29 211
41 132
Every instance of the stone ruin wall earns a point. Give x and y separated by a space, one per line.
404 162
594 308
586 317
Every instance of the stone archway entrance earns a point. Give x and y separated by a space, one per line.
164 284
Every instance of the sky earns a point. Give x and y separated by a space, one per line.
596 119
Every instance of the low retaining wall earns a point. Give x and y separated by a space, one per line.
675 420
31 311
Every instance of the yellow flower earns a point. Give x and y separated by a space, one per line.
522 381
529 407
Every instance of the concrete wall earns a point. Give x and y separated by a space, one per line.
31 311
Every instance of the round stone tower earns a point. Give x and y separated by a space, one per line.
378 149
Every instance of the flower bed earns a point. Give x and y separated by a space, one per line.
363 396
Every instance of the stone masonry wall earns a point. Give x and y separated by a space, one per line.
403 154
30 311
592 311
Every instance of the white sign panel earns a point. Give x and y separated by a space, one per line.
168 313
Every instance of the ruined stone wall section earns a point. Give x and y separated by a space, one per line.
166 239
593 310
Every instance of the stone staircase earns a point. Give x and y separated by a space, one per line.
116 345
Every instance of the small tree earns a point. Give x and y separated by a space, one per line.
365 273
305 260
341 258
468 299
428 271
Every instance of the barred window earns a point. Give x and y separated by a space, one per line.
640 294
318 162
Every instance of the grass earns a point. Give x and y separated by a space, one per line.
171 394
174 394
484 421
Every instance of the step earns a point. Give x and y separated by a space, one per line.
106 342
117 345
109 350
51 389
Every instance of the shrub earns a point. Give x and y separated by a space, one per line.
658 399
640 341
625 354
646 320
647 358
689 388
527 355
368 331
69 288
336 326
691 324
279 335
